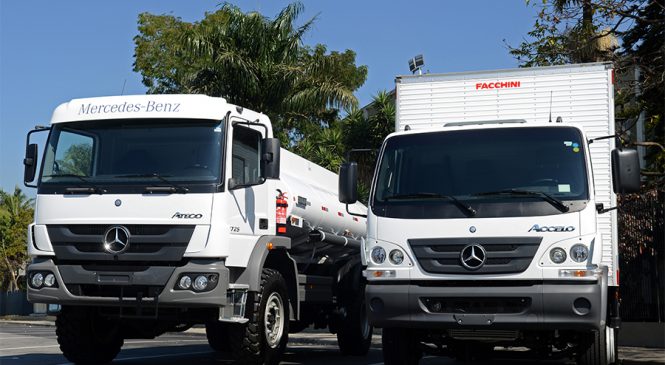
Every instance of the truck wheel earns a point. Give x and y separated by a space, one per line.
218 336
400 347
598 348
355 333
87 338
263 338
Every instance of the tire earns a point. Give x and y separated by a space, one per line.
263 338
400 347
354 336
594 349
218 336
87 338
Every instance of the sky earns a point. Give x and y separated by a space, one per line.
55 51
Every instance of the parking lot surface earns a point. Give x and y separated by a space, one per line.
27 344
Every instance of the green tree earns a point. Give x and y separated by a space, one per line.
644 47
569 31
573 31
16 212
251 61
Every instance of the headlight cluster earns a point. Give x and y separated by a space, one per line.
378 255
42 279
578 253
198 282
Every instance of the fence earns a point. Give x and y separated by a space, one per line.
642 256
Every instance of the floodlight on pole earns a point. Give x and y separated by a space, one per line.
416 64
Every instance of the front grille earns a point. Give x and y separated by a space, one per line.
83 243
134 229
467 305
503 254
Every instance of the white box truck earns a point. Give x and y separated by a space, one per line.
158 212
491 225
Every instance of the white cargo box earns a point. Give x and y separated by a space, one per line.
582 95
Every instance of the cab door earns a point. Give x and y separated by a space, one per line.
249 200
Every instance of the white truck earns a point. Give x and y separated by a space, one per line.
489 224
158 212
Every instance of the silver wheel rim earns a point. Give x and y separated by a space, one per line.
273 320
609 345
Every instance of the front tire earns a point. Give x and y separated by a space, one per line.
599 348
87 338
400 347
263 338
355 334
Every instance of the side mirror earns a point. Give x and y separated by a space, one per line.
270 160
348 183
30 163
625 170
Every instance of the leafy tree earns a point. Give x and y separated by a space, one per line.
569 31
16 213
251 61
644 47
573 31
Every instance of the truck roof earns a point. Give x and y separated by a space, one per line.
507 123
180 106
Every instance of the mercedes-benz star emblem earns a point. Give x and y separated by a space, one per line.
116 240
473 257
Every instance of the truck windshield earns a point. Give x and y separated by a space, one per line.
494 172
139 153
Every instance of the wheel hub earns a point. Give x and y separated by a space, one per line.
274 320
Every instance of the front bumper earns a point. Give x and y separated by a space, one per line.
131 284
544 305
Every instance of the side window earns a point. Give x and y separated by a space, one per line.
73 155
246 156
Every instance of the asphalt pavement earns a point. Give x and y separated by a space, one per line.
29 343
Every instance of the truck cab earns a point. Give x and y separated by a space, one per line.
496 232
158 212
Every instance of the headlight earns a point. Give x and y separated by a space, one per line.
49 280
579 253
200 283
378 255
37 280
396 257
558 255
185 282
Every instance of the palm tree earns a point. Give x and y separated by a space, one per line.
261 64
15 215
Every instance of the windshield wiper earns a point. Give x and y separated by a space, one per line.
173 188
516 192
90 189
427 195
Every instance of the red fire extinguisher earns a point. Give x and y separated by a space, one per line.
280 212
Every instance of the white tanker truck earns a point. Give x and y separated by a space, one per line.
158 212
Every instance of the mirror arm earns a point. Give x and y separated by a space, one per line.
355 214
600 208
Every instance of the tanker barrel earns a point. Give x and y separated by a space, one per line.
320 236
